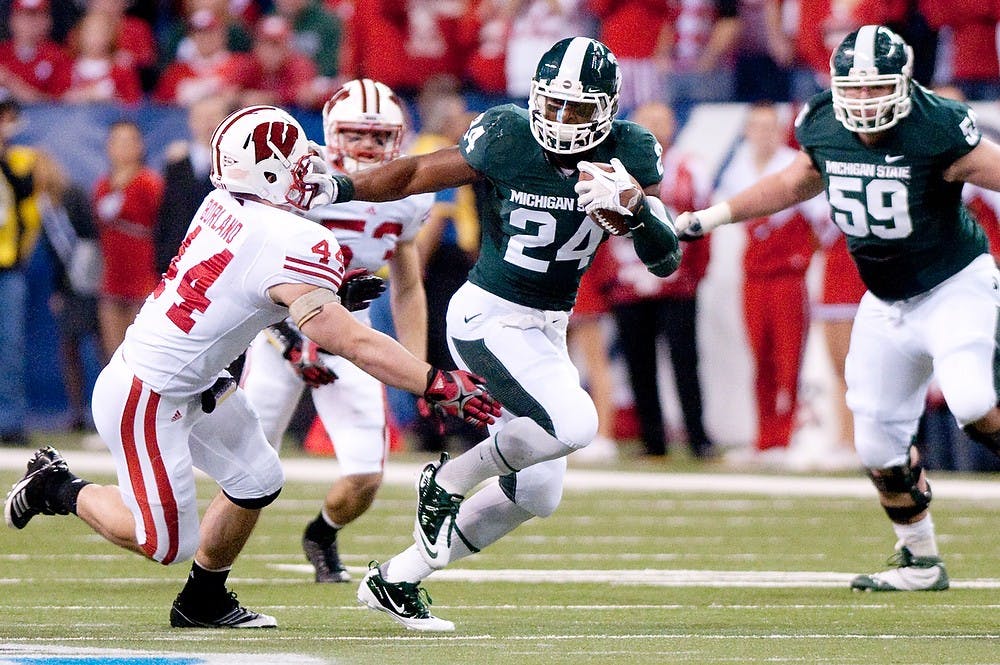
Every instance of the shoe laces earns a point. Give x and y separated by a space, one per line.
437 503
417 597
904 558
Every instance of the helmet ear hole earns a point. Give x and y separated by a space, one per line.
271 177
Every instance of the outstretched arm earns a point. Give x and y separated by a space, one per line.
797 182
331 326
413 174
338 332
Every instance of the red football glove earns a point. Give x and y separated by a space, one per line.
462 394
305 360
301 353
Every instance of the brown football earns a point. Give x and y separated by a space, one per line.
609 220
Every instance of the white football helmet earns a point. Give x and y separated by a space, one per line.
263 152
368 108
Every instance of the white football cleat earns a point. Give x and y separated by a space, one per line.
912 573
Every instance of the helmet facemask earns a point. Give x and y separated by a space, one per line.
565 120
871 57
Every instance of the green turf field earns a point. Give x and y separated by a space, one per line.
617 575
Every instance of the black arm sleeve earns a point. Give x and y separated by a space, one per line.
655 240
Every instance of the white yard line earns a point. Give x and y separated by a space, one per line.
398 473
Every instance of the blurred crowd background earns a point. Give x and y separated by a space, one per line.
110 105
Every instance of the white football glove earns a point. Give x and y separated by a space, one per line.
694 225
319 175
603 191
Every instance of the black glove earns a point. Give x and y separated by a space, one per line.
359 288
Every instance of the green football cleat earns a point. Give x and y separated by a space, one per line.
405 602
435 520
911 573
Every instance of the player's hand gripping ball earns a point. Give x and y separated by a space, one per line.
609 194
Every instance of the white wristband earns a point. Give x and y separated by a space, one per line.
714 216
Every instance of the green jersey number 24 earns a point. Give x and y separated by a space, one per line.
580 246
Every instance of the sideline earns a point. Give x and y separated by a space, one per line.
322 469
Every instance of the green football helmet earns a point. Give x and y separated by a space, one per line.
871 56
574 95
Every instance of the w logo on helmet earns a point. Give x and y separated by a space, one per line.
274 139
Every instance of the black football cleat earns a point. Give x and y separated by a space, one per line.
31 496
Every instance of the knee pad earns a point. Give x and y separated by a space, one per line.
578 427
255 503
902 479
522 443
537 489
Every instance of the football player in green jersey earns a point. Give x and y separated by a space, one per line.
892 158
507 323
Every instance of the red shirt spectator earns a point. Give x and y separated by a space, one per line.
633 30
134 41
126 202
275 74
96 76
185 81
126 216
33 67
423 39
483 33
630 28
974 28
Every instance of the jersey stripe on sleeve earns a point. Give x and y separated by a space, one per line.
313 269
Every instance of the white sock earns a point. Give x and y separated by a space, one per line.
518 445
470 468
918 537
484 518
407 566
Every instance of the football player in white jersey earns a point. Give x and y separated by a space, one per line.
165 404
363 126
